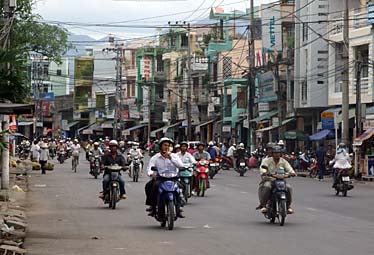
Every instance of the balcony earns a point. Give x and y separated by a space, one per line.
358 19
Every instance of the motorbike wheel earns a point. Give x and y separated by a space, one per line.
241 173
113 198
202 187
337 192
170 215
282 208
225 166
163 224
272 220
95 173
135 174
345 191
313 174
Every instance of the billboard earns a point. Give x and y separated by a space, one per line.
271 32
266 86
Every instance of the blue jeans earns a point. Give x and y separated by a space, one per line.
121 180
321 170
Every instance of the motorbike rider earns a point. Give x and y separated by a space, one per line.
135 151
240 154
269 166
341 161
200 153
211 150
177 148
113 158
184 155
76 148
163 161
191 149
95 151
269 150
88 148
231 152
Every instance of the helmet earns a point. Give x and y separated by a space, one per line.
166 139
341 145
281 143
200 143
61 141
113 143
177 146
129 142
75 140
184 143
269 145
277 148
211 143
234 144
96 144
241 145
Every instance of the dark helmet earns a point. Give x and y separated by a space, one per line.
200 143
277 148
270 145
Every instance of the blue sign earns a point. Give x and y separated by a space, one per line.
49 97
271 32
328 123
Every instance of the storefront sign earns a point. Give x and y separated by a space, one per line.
146 67
370 11
367 124
327 120
266 85
370 166
226 128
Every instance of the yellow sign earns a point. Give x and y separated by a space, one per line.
261 126
327 115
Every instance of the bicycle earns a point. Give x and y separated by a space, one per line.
74 163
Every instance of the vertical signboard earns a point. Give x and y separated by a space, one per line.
271 32
327 120
370 12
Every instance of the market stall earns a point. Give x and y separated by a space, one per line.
363 147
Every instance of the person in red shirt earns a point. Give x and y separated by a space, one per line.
191 149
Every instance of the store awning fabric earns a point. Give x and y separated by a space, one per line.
273 127
295 135
24 123
94 127
164 129
363 137
135 127
205 123
265 116
321 135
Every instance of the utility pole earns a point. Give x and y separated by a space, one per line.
345 87
149 111
251 76
118 109
358 98
189 85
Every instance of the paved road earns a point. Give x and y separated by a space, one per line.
66 213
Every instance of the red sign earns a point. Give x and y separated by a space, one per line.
13 122
46 108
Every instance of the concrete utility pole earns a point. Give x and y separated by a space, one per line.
251 76
358 98
149 111
188 86
345 87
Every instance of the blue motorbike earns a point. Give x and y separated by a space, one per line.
186 175
168 195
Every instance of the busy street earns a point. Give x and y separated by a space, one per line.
67 217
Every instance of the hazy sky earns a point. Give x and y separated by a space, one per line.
107 11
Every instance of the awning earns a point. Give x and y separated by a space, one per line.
273 127
265 116
24 123
94 127
321 135
363 137
206 123
85 127
107 124
70 125
164 129
6 108
295 135
128 130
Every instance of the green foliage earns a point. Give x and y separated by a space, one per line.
29 34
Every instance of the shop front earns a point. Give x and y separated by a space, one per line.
363 147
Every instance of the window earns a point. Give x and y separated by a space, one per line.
128 89
320 82
184 41
227 67
45 88
242 97
228 106
59 72
322 14
304 92
338 87
195 86
112 102
322 52
133 88
100 102
160 64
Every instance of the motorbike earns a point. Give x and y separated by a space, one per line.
68 152
343 182
112 195
52 153
305 162
313 173
202 170
61 156
95 165
277 204
186 174
225 163
214 167
242 167
23 152
167 209
136 162
253 161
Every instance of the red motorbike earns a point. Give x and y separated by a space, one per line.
202 177
226 163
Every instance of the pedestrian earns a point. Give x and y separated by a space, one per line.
231 152
44 156
35 152
320 157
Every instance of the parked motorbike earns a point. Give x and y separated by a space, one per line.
226 163
242 167
313 173
277 205
112 195
186 175
202 170
214 167
343 182
23 152
167 209
95 165
61 156
136 168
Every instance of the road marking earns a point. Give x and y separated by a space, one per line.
206 226
312 209
188 227
119 248
40 185
243 192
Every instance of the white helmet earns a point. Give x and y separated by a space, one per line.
113 143
165 139
96 144
211 143
241 145
281 143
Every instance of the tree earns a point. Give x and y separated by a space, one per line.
29 34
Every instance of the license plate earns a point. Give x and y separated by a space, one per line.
213 164
242 164
345 178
